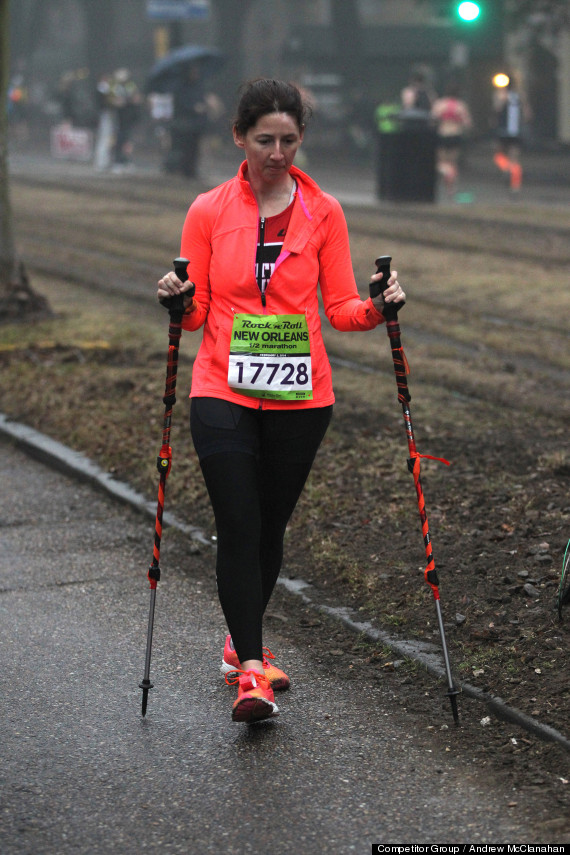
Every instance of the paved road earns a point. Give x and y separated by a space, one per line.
82 772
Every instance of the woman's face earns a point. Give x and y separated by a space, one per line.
270 146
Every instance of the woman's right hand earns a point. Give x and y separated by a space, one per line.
170 285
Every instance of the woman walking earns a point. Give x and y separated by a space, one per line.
453 120
259 246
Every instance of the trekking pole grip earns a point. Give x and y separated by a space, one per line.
176 304
390 310
181 268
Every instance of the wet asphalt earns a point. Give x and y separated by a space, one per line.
340 769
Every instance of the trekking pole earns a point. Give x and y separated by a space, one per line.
401 369
564 586
175 306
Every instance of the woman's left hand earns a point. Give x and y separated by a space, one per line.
392 294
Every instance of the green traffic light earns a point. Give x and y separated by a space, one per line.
468 11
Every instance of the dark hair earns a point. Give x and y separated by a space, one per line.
265 95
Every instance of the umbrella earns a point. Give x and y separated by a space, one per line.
176 63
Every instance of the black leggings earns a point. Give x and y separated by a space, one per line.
255 464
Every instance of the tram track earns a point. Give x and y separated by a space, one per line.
117 237
44 231
498 232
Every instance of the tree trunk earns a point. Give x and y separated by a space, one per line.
17 300
231 19
100 52
347 42
27 27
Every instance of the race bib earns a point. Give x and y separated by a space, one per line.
270 357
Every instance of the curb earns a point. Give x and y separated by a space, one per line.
76 465
430 657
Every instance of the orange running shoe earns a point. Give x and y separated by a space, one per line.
255 699
230 662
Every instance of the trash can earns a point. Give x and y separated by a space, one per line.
406 164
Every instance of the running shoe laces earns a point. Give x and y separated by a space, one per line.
230 662
247 680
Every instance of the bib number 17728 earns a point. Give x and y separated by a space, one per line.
270 357
274 376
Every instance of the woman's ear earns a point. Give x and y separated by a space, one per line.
238 139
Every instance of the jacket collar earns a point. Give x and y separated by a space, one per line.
309 191
313 207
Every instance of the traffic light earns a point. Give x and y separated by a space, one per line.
479 25
468 12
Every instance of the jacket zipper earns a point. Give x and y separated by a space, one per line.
260 273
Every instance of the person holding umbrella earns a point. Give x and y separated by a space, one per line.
259 246
188 123
182 74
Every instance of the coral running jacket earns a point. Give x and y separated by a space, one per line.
220 238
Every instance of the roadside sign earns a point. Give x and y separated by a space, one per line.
69 143
178 10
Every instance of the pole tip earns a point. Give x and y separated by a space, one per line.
145 685
452 695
